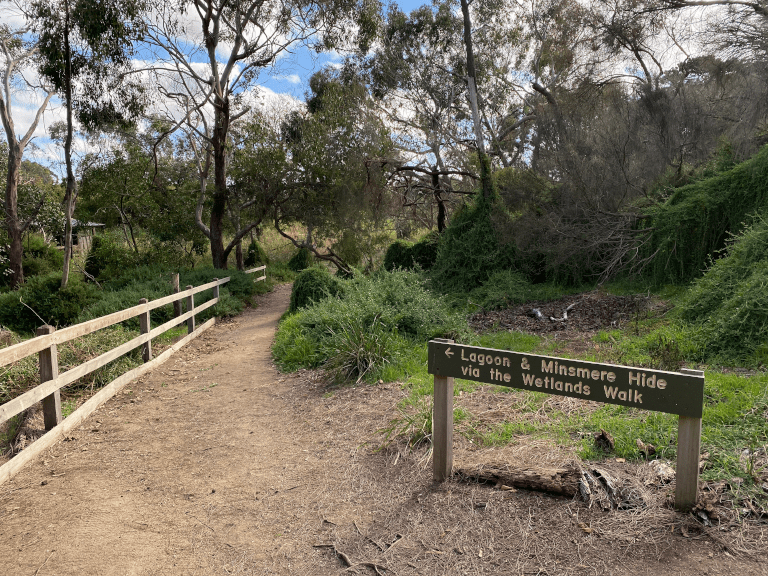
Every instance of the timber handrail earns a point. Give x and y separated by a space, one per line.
260 278
28 347
48 342
51 382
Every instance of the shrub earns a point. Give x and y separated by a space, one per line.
313 285
153 282
40 257
301 260
366 327
424 252
42 301
108 257
349 248
399 255
357 348
240 285
471 249
508 287
729 303
255 255
695 222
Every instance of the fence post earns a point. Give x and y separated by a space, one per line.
190 307
177 303
216 290
688 449
442 428
145 326
49 369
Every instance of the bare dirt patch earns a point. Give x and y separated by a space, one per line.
587 312
218 464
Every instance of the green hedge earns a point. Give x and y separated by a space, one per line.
313 285
729 304
695 222
471 249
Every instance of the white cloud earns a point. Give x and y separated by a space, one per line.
290 78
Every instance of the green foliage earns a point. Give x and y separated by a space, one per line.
108 257
358 348
40 257
471 248
227 306
280 272
255 255
372 319
349 248
425 250
406 255
695 222
506 288
313 285
301 260
42 301
240 284
399 255
729 304
153 282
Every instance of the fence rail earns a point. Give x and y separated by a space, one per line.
51 382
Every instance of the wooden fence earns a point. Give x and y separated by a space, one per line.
51 382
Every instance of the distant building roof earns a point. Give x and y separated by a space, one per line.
79 224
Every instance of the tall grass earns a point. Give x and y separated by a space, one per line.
358 333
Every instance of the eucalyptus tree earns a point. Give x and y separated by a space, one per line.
318 168
85 50
413 75
18 57
213 51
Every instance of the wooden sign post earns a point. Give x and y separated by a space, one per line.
680 393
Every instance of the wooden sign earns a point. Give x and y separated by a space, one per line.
656 390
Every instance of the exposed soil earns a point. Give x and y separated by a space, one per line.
218 464
586 312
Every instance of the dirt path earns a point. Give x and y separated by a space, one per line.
218 464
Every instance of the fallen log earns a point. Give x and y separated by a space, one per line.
562 481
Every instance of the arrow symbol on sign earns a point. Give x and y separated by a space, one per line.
448 352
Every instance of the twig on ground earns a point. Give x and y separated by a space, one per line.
43 564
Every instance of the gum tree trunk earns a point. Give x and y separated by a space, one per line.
485 166
220 195
12 225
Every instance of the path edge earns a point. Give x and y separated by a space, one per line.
28 455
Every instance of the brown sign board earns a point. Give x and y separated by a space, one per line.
656 390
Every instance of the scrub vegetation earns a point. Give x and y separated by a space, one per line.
471 170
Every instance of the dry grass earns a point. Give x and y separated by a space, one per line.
470 528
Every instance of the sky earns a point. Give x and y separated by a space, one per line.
287 82
292 75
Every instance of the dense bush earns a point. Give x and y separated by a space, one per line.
357 334
471 248
42 301
696 220
507 287
40 257
313 285
301 260
108 257
399 255
729 304
406 255
349 248
424 251
255 255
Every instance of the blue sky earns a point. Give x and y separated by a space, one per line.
292 74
